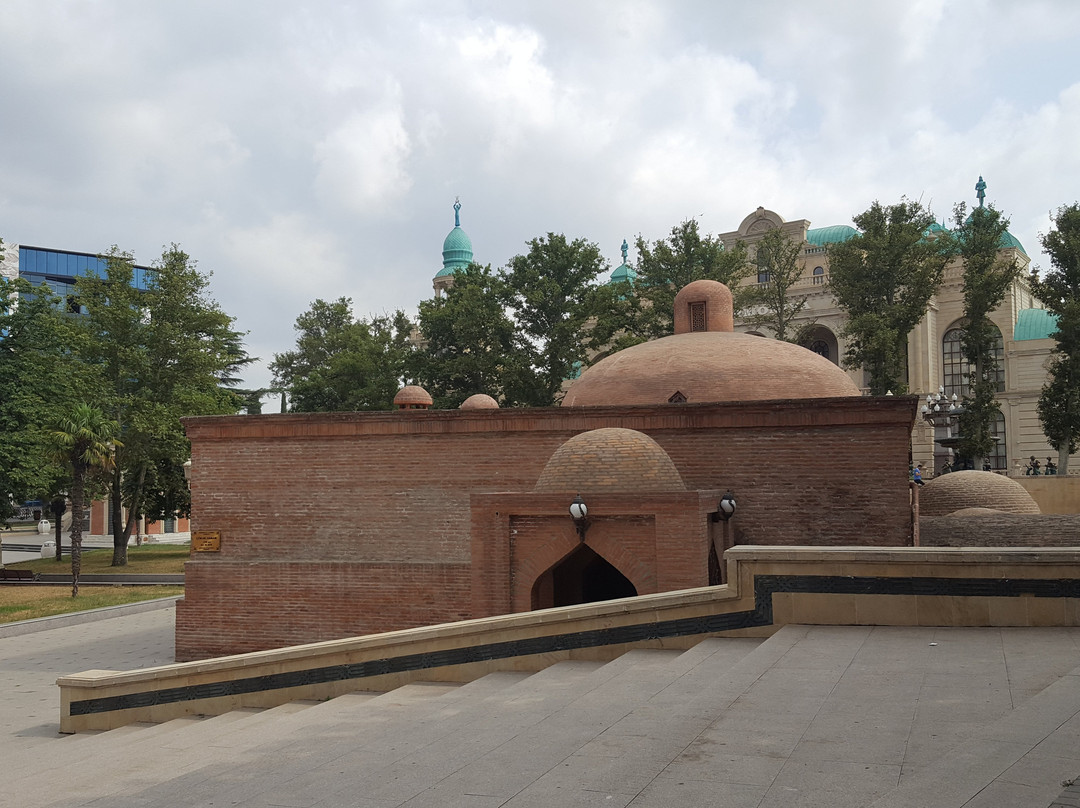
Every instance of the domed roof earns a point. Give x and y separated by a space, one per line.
820 236
1034 324
412 395
479 401
960 490
705 361
610 460
457 248
709 367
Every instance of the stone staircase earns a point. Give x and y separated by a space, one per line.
837 716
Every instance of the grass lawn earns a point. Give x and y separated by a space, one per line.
150 559
19 602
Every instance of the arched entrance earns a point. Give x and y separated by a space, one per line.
583 576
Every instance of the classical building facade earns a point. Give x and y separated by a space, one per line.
934 358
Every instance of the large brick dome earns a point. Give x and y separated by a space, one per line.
709 366
705 361
961 490
610 460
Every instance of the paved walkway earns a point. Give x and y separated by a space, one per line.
816 716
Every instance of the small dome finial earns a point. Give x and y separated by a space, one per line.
980 190
457 211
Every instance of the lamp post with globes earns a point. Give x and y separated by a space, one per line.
941 411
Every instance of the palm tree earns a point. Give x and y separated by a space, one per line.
84 441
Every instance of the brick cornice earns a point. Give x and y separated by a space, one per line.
853 411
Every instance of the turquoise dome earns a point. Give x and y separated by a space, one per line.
457 252
1007 240
623 274
820 236
1034 324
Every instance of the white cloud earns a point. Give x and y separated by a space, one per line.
362 162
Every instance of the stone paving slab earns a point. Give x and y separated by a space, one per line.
815 716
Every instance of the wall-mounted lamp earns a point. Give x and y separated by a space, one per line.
725 509
579 512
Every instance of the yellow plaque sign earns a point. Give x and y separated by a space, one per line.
206 541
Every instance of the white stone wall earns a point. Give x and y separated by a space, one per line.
9 265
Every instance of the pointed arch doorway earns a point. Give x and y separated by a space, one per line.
583 576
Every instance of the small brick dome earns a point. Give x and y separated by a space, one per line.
611 460
480 401
412 397
709 366
960 490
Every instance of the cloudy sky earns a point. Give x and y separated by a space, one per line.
314 149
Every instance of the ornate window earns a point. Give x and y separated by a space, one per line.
957 370
821 347
697 317
819 276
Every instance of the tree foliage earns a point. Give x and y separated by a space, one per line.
341 363
1059 291
83 439
469 342
667 265
39 375
164 352
550 291
884 277
778 260
987 277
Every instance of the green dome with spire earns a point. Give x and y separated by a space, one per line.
457 252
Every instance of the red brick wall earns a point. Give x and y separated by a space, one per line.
368 495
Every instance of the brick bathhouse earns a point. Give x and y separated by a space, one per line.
341 524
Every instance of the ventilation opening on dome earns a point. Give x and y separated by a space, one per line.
584 576
677 398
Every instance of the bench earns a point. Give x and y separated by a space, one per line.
17 575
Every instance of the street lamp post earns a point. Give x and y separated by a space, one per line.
942 411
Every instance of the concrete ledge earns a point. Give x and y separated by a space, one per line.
22 627
770 586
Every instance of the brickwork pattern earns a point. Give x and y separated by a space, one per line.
611 460
1000 530
236 607
718 304
367 521
974 489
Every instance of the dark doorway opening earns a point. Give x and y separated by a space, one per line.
584 576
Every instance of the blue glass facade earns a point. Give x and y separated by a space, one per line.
59 269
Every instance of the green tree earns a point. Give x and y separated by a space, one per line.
39 377
341 363
469 342
667 265
549 291
777 310
165 351
84 440
883 278
1059 291
987 277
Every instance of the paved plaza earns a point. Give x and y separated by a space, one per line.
814 716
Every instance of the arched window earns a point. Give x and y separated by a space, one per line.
955 367
819 276
998 461
821 347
